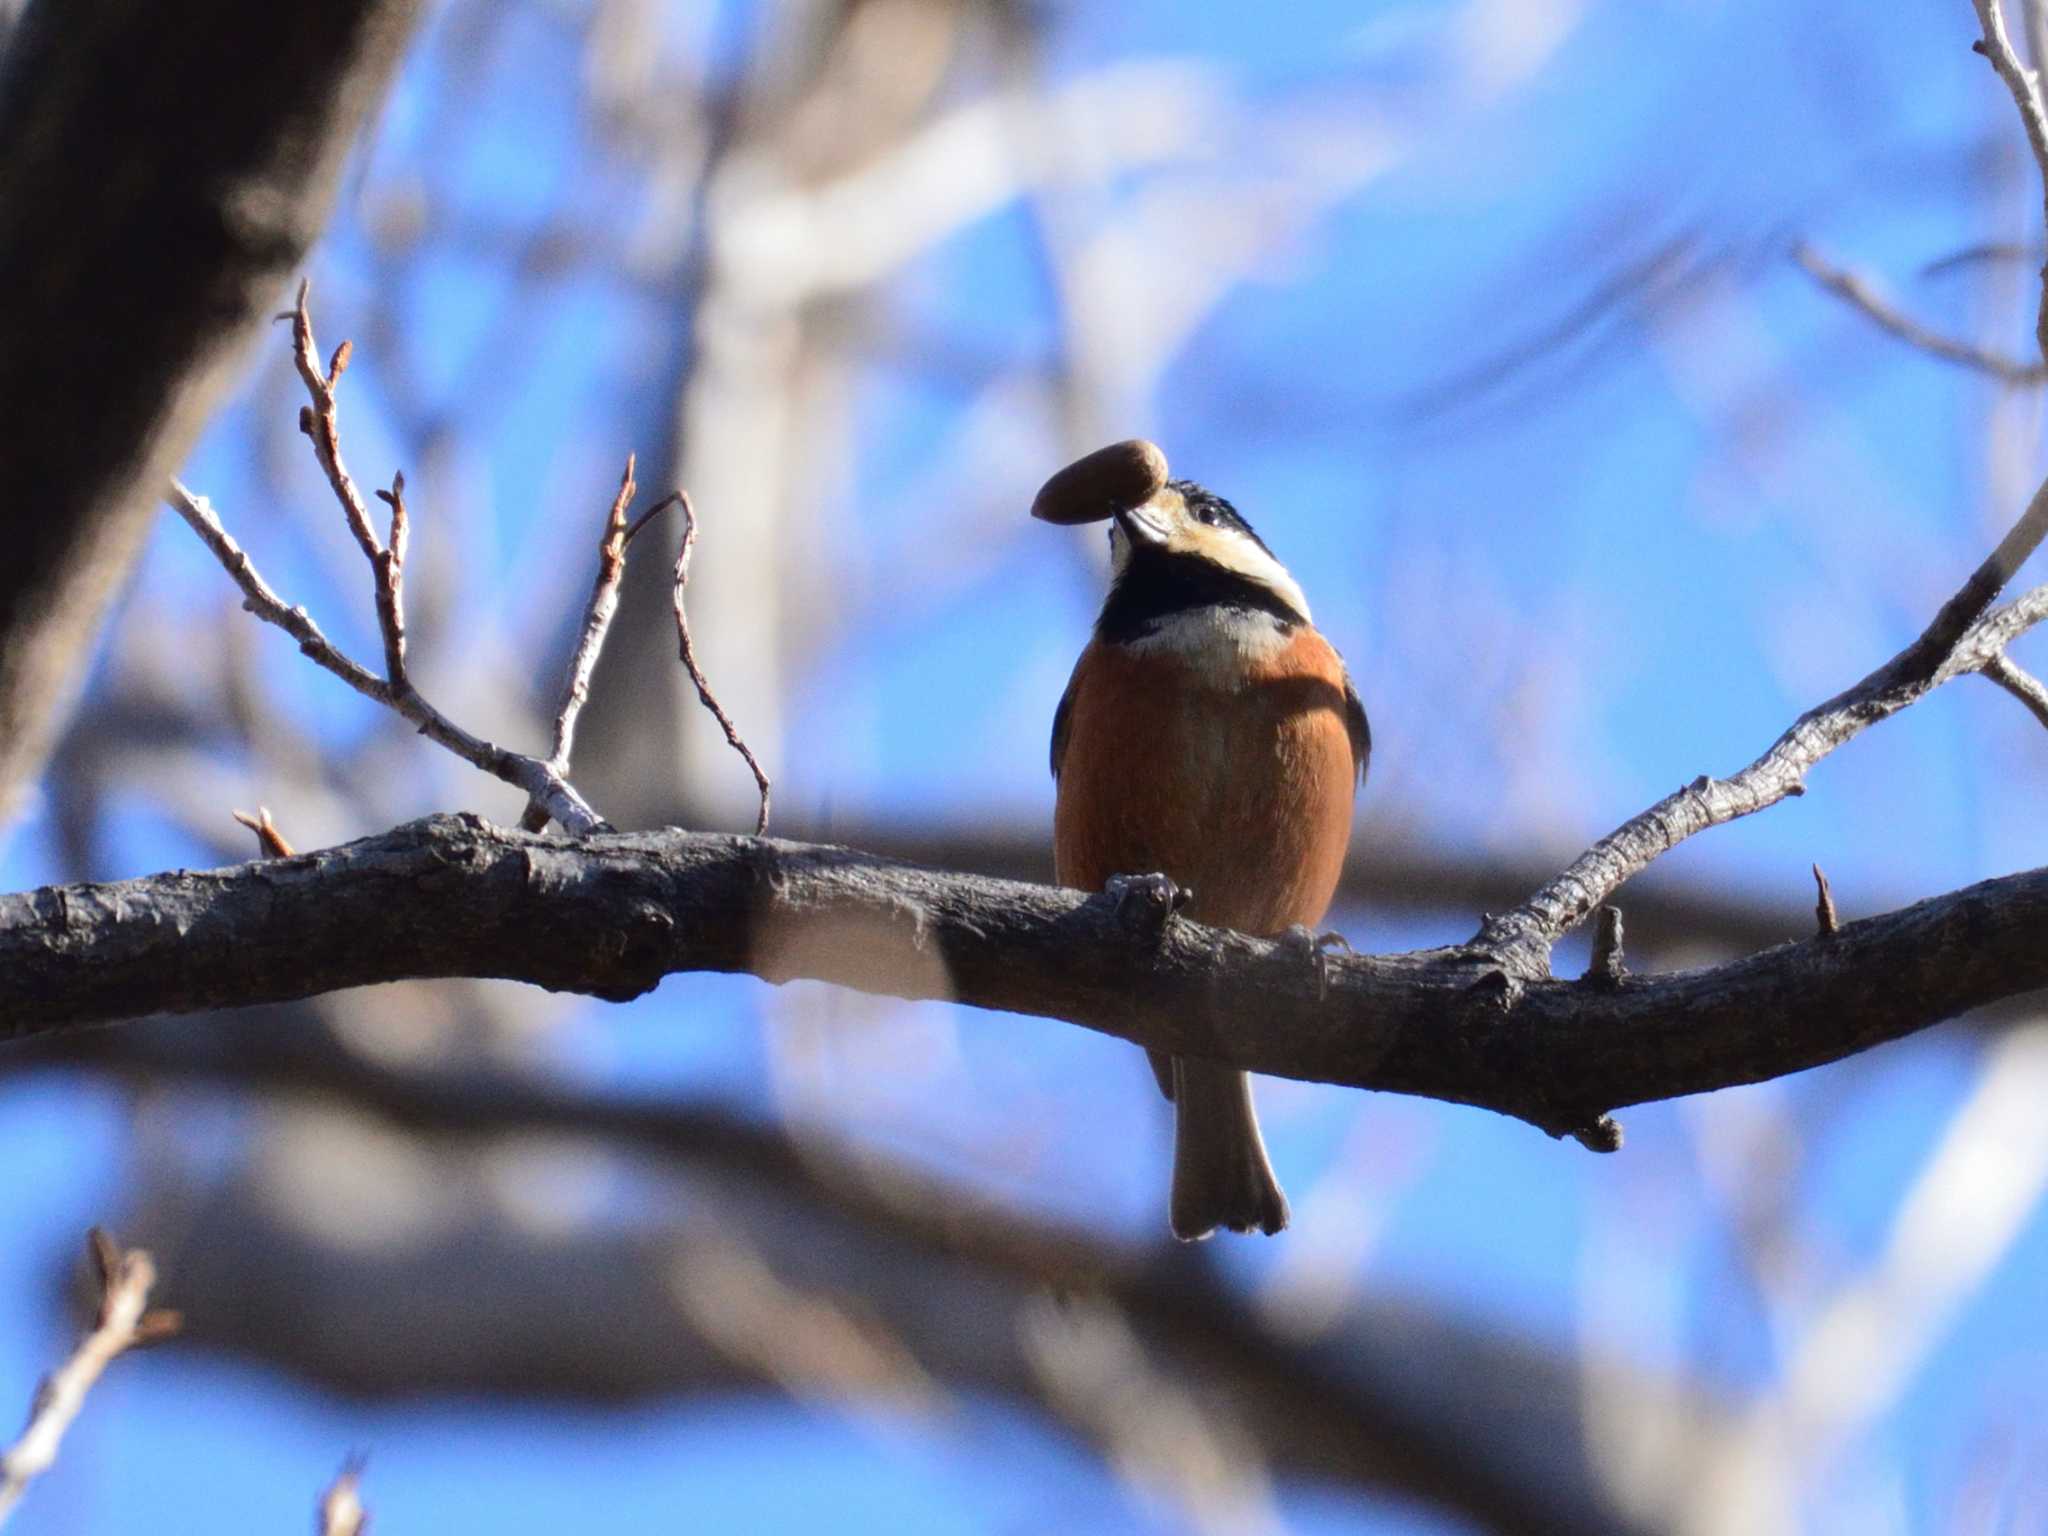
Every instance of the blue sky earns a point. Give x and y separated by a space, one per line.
1580 538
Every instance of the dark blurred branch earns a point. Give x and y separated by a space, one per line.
1380 1399
612 915
162 169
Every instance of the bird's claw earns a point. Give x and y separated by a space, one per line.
1315 949
1145 902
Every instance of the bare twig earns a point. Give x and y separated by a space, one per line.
1975 255
268 838
389 565
2034 22
537 778
1606 966
689 658
2020 683
123 1323
1856 291
597 620
1826 919
318 420
2025 86
1963 637
341 1506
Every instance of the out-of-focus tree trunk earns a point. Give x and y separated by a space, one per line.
163 170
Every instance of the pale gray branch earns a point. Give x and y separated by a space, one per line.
123 1323
2025 86
1856 291
540 781
2020 683
1963 638
597 623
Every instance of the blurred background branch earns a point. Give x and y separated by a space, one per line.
162 171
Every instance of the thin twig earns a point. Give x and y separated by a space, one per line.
2020 683
689 658
389 565
537 778
268 838
2025 87
318 421
597 620
1857 291
341 1506
123 1323
2034 22
1826 919
1963 637
1607 966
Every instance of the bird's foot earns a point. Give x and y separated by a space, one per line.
1315 948
1145 902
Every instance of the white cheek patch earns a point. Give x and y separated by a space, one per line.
1244 557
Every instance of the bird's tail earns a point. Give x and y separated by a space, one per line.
1220 1174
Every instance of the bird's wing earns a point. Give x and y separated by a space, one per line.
1354 723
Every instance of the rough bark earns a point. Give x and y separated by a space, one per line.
610 916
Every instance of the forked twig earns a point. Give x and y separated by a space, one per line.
689 659
319 422
540 782
549 793
124 1322
1963 638
597 621
268 838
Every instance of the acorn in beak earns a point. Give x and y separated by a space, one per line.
1117 481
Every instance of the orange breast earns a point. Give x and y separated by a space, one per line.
1242 794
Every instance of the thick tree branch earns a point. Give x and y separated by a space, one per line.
453 896
162 169
1376 1399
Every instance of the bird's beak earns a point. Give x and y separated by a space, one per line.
1144 525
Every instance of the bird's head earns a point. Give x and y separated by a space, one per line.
1173 544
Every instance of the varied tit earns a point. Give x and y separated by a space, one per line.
1211 735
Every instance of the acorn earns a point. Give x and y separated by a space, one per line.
1123 475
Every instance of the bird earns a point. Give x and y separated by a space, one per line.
1211 735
